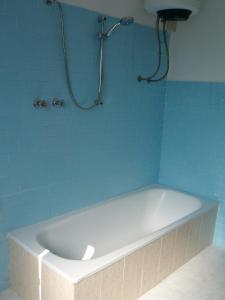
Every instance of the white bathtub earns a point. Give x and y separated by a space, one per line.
86 241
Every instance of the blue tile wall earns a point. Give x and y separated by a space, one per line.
52 161
193 146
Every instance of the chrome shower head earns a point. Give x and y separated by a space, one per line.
123 21
126 21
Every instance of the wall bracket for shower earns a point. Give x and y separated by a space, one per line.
122 22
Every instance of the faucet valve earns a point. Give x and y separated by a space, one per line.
58 102
39 103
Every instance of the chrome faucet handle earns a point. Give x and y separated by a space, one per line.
58 102
40 103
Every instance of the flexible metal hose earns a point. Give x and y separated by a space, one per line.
159 50
150 78
98 101
140 78
167 56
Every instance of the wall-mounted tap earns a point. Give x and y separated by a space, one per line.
40 103
58 102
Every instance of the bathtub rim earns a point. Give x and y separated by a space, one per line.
102 262
80 210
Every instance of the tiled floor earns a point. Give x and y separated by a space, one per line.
203 278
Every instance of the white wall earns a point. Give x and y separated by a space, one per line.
198 46
117 8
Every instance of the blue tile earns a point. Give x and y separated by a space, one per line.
193 142
53 161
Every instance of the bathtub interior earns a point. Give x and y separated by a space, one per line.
98 231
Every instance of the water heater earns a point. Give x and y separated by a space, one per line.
173 10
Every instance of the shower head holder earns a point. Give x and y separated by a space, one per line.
122 22
50 2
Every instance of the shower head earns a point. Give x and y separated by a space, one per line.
123 21
126 21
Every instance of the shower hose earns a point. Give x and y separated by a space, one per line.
98 101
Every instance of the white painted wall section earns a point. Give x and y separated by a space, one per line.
198 46
117 8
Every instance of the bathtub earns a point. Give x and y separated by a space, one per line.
77 247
